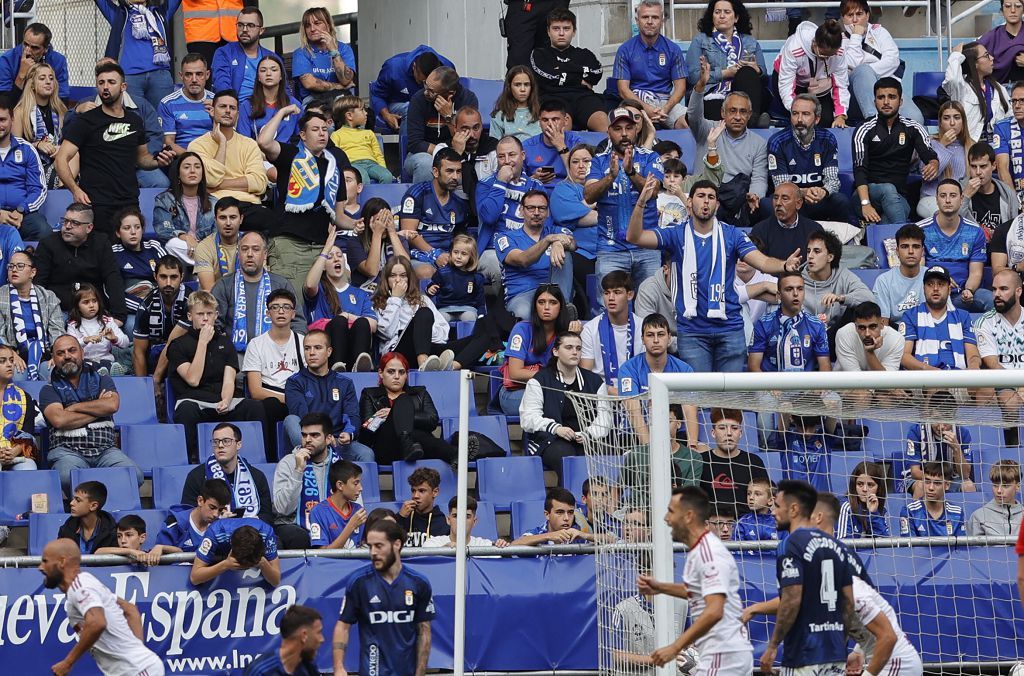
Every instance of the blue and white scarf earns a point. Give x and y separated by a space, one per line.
146 25
610 351
40 131
691 276
35 345
222 258
789 354
929 340
243 494
733 49
310 495
1015 146
304 183
239 335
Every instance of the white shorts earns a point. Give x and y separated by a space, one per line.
725 664
830 669
910 665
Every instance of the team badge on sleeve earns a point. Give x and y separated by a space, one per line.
517 343
314 531
409 205
772 163
206 546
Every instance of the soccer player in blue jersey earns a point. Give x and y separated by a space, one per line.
236 544
816 605
434 211
185 113
302 634
704 253
789 338
933 515
186 526
393 607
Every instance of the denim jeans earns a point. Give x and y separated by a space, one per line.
983 301
862 90
723 352
891 205
152 178
64 460
152 86
521 303
355 451
510 400
419 165
639 263
34 227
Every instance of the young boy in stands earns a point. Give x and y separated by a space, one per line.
419 515
559 520
453 515
187 525
728 470
88 525
600 500
722 521
1002 515
943 442
933 516
759 523
612 338
131 535
337 521
805 449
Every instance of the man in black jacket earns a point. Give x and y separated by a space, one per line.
430 112
89 525
76 254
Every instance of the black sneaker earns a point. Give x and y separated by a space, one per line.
473 444
571 312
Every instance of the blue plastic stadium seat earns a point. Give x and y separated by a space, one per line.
502 481
443 387
57 202
154 445
844 142
42 528
574 472
463 329
876 236
884 438
526 515
843 465
773 464
927 83
391 193
487 93
33 387
686 141
867 276
252 440
402 470
138 402
493 405
393 506
168 482
122 487
486 523
268 469
283 446
360 381
371 483
494 427
17 489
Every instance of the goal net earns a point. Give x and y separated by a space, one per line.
916 466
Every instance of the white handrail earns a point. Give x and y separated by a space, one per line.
970 11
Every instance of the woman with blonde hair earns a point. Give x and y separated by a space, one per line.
322 64
950 144
39 118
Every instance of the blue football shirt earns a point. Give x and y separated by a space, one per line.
520 344
216 544
957 251
616 205
436 221
634 372
800 348
183 117
517 280
326 522
915 521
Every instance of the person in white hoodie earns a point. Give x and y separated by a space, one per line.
871 54
813 60
969 80
829 290
96 330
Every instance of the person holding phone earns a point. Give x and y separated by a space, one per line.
546 152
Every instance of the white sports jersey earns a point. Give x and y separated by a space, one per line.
999 338
118 652
633 627
711 569
905 660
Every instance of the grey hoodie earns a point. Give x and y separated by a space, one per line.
1008 202
993 519
841 282
656 296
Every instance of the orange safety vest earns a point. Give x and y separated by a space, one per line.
210 20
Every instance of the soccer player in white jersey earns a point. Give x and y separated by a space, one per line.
884 648
108 627
711 583
1000 334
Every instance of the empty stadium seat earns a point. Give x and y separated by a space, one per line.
526 515
493 405
401 471
42 528
494 427
486 523
574 472
502 481
252 440
154 445
371 483
122 487
138 401
168 482
877 233
361 381
17 489
443 387
391 193
487 92
33 387
927 83
868 276
268 469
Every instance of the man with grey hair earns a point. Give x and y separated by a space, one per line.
744 155
76 255
808 156
431 111
79 405
652 69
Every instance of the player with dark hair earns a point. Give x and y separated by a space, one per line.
393 606
302 633
711 581
236 544
816 605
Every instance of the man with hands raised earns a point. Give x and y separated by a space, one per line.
705 252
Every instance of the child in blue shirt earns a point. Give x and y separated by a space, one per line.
941 442
805 450
458 288
759 523
337 522
187 524
933 515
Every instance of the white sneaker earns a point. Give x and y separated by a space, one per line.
340 367
118 369
446 357
364 363
431 363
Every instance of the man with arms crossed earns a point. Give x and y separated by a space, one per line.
711 583
394 632
108 627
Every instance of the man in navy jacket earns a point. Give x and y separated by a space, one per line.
234 64
22 183
34 48
400 77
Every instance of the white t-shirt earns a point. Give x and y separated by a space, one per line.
118 652
633 630
591 337
850 354
754 309
999 338
869 603
711 569
445 541
275 362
